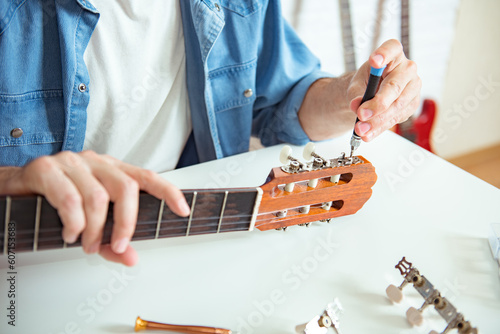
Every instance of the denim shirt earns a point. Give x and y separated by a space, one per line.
247 73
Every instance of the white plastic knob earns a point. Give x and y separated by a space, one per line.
414 317
394 293
308 151
335 178
285 153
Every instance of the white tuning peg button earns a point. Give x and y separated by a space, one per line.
285 153
414 316
308 151
394 293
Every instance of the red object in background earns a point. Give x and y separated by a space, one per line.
418 129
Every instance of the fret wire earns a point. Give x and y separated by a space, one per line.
191 213
255 212
65 245
37 222
160 214
8 201
222 211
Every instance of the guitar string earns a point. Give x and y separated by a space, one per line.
197 219
234 227
173 221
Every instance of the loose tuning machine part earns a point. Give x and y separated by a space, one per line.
320 324
432 296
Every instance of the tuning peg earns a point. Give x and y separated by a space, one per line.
309 153
286 155
295 165
394 293
414 316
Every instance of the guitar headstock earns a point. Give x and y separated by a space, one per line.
317 190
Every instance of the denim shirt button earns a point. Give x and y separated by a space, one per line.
16 133
248 92
82 88
217 7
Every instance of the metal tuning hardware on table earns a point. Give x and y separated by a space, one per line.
320 324
432 296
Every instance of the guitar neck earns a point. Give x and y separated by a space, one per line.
32 224
405 27
347 39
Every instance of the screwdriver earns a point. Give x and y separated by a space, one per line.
371 89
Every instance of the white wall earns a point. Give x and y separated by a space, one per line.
432 26
470 105
456 45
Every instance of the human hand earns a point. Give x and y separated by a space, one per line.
398 96
81 185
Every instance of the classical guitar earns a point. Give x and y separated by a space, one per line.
417 128
294 194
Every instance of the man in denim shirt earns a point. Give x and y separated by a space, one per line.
160 84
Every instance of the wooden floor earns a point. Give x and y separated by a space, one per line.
484 164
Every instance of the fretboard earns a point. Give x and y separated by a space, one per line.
347 39
30 223
405 27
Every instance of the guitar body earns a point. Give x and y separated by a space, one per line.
418 129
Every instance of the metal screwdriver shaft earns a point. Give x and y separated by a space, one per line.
371 89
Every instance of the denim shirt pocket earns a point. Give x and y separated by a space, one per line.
31 125
242 8
233 86
233 92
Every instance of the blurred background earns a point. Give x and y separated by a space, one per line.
456 45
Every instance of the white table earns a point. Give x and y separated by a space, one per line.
268 282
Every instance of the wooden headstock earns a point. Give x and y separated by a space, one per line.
320 199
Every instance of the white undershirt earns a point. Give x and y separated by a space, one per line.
138 110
